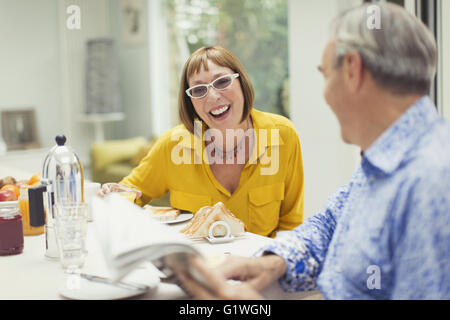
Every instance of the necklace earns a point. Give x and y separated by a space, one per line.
230 155
233 154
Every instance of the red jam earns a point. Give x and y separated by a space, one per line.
11 231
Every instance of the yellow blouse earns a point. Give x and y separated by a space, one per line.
269 197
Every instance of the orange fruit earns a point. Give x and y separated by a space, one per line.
13 188
21 183
35 178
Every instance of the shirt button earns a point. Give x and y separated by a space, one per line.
338 269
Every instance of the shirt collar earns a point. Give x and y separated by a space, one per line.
388 151
260 121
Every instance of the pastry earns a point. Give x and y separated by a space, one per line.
163 213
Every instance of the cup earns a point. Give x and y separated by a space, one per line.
90 191
71 233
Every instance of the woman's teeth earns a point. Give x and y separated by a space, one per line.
220 111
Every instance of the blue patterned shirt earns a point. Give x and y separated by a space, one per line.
386 234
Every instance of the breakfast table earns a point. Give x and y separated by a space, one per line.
31 275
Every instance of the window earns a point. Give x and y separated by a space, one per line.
255 30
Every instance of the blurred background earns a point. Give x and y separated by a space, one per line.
105 73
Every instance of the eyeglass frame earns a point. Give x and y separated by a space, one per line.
233 76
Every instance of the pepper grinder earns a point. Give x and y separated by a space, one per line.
62 182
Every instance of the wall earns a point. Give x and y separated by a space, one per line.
328 162
163 117
135 79
29 63
72 47
43 66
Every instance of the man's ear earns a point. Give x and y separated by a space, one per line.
353 70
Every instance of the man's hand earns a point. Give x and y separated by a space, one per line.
255 274
219 289
259 273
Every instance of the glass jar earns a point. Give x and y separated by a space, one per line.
11 230
24 205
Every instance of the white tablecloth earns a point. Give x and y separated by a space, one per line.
31 275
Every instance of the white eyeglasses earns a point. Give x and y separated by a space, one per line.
221 83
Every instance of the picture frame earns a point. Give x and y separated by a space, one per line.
19 129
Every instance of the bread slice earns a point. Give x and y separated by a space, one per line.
198 219
163 213
199 226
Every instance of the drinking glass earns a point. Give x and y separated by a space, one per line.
71 232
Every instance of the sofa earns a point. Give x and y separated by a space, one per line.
112 160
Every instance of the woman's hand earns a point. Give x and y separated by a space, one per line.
116 187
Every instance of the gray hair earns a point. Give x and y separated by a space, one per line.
400 55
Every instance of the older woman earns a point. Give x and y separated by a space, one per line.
224 150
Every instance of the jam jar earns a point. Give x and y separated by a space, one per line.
11 229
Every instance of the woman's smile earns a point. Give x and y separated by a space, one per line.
220 112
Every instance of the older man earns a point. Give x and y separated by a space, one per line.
386 234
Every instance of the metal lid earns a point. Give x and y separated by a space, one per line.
9 209
61 162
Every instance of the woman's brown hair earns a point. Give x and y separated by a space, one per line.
221 57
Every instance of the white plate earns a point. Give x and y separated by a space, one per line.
79 288
184 216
